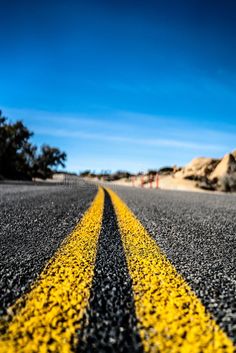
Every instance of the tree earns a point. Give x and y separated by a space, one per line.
47 160
18 156
16 152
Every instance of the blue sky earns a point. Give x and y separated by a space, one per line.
122 84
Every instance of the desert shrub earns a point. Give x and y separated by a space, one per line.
166 170
85 173
120 175
19 158
228 183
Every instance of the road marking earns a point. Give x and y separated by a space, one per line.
110 323
48 317
170 316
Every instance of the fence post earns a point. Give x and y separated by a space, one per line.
133 179
157 181
142 181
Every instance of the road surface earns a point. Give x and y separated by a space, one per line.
100 269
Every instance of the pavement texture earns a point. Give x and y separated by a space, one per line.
110 325
197 232
34 220
119 272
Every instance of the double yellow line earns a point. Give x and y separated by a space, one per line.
170 316
48 317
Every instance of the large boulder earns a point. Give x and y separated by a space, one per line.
227 166
234 153
210 173
199 168
224 175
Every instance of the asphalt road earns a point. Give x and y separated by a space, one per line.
33 222
197 233
110 324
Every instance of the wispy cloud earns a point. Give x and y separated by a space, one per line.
129 139
42 117
122 139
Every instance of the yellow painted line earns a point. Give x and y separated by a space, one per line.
170 316
50 318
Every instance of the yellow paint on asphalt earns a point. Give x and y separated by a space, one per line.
170 316
48 317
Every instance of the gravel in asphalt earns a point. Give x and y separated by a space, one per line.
33 222
197 232
48 317
110 324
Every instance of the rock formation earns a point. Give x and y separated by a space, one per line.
212 174
199 168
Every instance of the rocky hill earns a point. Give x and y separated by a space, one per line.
210 173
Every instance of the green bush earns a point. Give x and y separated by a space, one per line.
19 158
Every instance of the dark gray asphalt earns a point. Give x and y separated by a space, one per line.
110 325
33 222
198 234
196 231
